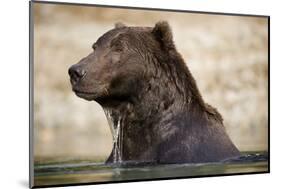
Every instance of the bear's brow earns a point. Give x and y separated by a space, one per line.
107 36
115 41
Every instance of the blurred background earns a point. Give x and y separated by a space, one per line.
227 55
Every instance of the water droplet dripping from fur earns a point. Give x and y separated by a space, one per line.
116 131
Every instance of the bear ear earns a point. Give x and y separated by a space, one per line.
163 34
120 25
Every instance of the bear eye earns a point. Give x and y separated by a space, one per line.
94 46
118 47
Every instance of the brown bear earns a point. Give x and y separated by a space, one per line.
155 108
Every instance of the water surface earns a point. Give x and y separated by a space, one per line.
87 171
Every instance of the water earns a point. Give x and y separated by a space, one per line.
87 171
115 127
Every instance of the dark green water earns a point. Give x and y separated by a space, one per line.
81 171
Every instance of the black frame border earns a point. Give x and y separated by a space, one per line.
31 91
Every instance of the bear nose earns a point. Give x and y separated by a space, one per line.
76 74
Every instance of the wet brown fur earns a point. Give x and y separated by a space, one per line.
137 75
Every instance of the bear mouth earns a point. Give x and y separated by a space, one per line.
85 95
104 100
